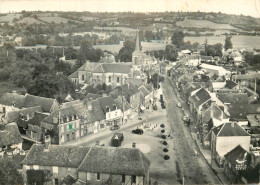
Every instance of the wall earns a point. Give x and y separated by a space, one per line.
7 108
36 129
66 133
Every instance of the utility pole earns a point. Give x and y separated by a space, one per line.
255 84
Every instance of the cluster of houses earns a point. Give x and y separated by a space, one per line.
49 125
226 116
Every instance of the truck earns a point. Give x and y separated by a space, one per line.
117 139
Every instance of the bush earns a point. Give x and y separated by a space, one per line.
165 150
162 125
165 143
166 157
162 131
163 136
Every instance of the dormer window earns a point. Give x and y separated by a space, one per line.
22 116
114 107
109 79
107 109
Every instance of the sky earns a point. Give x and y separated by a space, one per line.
245 7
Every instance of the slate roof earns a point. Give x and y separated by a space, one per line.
144 91
10 135
237 111
45 103
113 68
135 81
91 96
238 153
37 119
107 101
88 66
10 99
230 84
254 120
13 116
200 97
74 75
206 58
233 98
226 130
71 103
129 89
119 103
110 160
56 155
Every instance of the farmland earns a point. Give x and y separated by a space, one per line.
239 41
56 20
9 17
203 24
29 20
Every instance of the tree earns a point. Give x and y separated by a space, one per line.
9 173
171 52
125 53
228 43
178 38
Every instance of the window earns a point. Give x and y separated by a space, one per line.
56 181
82 77
70 118
55 169
75 117
33 135
114 107
98 176
117 79
107 109
88 176
4 110
109 79
123 178
133 179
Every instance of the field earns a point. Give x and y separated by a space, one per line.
56 20
9 17
203 24
239 41
29 20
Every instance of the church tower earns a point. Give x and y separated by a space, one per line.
137 54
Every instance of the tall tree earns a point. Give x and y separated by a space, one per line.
178 38
228 43
125 53
171 52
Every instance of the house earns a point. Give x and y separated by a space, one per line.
237 162
111 74
206 59
48 105
136 81
238 114
132 95
146 96
10 139
201 97
115 165
33 126
10 102
233 98
254 125
110 109
122 104
193 60
226 137
88 165
231 85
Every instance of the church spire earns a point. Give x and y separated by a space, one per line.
137 42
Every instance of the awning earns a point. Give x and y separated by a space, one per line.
142 108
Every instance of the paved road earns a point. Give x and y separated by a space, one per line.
194 168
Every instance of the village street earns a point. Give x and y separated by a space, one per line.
188 160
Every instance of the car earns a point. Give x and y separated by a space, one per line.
138 131
117 139
184 118
114 127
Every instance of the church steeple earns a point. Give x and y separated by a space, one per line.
137 42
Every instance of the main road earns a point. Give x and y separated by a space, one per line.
191 166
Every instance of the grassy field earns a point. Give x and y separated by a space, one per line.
203 24
56 20
9 18
29 20
239 41
8 87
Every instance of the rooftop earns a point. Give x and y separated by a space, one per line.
10 135
113 68
229 129
12 99
237 155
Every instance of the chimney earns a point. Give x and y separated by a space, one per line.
47 141
89 105
232 124
55 119
104 94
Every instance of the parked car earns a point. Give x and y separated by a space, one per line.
115 127
138 131
117 139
